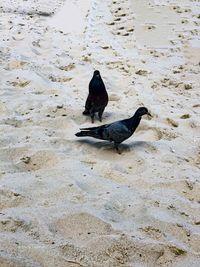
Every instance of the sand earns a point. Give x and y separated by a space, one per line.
75 202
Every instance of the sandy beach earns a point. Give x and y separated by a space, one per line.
75 202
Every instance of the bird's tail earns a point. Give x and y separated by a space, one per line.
88 133
86 112
83 133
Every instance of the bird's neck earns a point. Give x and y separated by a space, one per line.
134 122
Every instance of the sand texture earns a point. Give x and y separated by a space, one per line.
71 202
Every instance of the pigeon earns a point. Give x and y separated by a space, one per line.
117 131
97 99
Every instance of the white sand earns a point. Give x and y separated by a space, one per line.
75 202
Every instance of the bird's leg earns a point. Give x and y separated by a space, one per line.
92 116
116 146
100 113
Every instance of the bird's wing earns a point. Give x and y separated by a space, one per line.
88 102
118 132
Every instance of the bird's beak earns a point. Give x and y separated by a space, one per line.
149 114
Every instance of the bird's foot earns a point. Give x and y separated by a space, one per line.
92 116
86 112
118 151
100 113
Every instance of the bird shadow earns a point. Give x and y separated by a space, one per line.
136 144
106 146
107 115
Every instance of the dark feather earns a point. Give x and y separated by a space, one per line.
97 98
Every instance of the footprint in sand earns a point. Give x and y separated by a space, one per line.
62 117
149 134
121 66
80 226
122 23
16 64
14 225
113 250
13 122
29 160
59 79
19 83
69 67
9 199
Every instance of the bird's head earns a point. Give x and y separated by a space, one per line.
142 111
96 73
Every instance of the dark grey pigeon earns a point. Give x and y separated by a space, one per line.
97 99
118 131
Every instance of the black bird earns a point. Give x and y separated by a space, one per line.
97 99
117 131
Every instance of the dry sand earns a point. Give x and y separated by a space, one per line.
71 202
